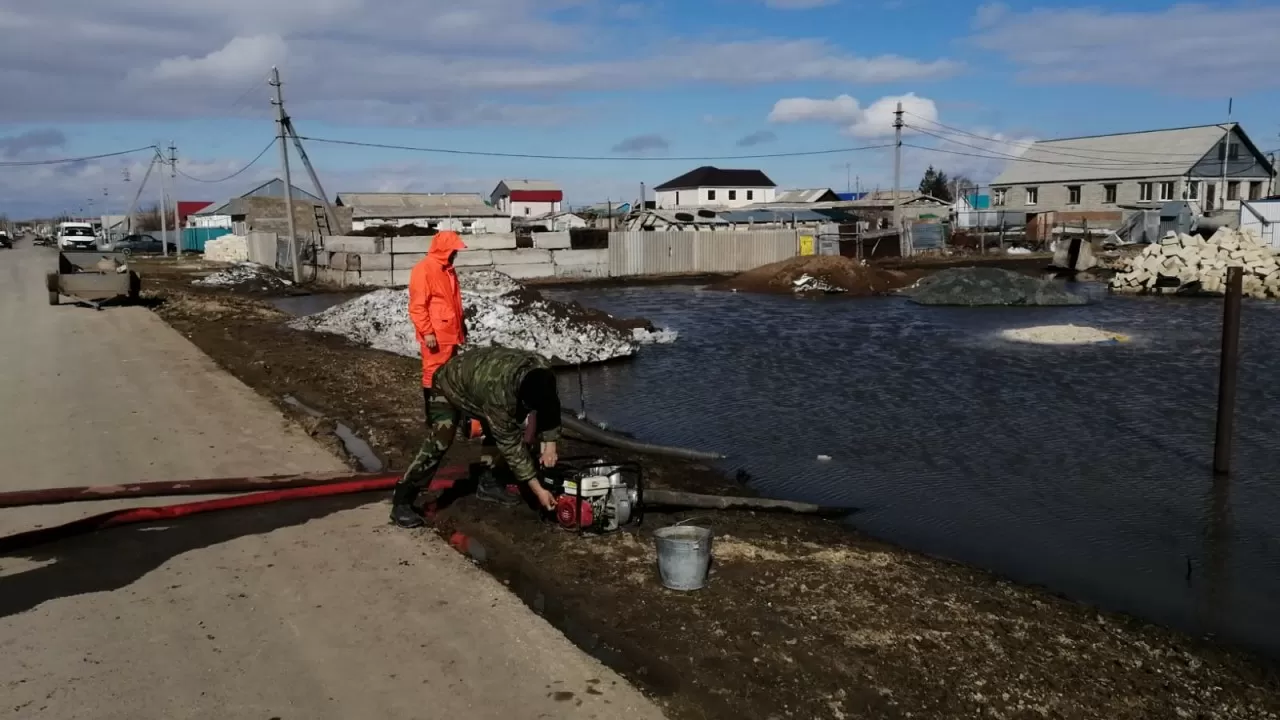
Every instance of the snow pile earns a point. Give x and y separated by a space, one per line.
228 249
499 311
809 283
244 276
988 286
1188 263
1062 335
654 337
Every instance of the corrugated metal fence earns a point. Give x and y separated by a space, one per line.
193 239
663 253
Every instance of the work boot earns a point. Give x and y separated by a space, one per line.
491 490
403 513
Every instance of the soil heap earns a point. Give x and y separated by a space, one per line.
499 311
1188 264
830 273
989 286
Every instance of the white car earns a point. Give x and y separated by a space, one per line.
76 236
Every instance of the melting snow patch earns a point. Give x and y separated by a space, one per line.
243 274
809 283
1062 335
499 311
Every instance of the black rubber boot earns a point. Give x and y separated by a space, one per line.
490 490
403 513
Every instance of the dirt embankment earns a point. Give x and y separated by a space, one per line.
846 274
802 618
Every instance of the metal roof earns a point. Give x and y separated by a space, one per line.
411 205
707 176
1151 153
525 184
762 215
805 195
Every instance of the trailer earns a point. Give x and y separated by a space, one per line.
93 278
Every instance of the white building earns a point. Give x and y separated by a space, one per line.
527 198
461 212
715 187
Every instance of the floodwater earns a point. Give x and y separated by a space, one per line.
1085 469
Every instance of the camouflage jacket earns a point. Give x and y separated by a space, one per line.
483 382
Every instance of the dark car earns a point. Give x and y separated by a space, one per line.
5 240
140 243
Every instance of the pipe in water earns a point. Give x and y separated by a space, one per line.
590 432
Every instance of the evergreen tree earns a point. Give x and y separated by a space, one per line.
936 183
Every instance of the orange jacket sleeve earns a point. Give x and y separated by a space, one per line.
420 300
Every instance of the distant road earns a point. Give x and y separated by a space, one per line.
300 611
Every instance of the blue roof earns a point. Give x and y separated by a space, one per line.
851 196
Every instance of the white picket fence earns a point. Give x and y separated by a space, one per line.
635 253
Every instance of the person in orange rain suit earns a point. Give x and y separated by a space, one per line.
435 305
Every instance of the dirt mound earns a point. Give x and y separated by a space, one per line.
989 286
841 274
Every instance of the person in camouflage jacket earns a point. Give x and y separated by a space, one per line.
499 387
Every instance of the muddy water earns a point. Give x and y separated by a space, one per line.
1083 469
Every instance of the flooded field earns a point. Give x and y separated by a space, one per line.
1085 469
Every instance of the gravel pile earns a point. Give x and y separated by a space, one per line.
989 286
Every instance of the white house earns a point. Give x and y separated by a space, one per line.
526 198
715 187
462 212
558 221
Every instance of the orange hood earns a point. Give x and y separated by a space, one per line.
445 243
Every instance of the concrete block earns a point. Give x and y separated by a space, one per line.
494 241
473 258
524 256
551 241
582 272
344 261
351 244
581 257
525 271
388 261
412 244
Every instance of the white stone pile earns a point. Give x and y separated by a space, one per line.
1188 263
227 249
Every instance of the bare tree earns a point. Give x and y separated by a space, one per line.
148 219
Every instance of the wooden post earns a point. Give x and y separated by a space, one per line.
1228 364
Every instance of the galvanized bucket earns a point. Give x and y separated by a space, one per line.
684 556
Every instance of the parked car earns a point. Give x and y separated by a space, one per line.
5 240
140 243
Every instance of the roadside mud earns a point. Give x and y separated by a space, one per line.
802 618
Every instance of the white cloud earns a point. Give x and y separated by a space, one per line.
873 121
1183 48
405 58
241 57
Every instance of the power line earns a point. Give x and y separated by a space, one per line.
1053 151
85 158
1233 173
530 156
252 162
1063 163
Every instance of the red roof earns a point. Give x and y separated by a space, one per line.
190 207
537 196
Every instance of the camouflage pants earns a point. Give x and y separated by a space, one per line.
442 425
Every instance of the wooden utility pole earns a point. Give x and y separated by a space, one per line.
173 174
281 131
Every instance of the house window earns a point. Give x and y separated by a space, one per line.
1073 194
1193 190
1166 191
1144 192
750 194
1255 191
677 198
733 194
1233 152
711 194
1033 195
1109 194
526 209
998 198
1233 190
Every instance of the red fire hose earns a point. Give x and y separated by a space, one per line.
444 479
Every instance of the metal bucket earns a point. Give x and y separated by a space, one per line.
684 556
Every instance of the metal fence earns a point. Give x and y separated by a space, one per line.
670 253
193 239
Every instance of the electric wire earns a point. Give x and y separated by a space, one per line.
1116 164
84 158
610 158
237 173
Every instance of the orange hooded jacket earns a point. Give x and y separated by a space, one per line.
435 302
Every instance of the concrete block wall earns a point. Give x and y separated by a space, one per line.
386 262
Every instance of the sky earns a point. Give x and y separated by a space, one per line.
644 88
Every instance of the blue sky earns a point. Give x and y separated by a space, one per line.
613 79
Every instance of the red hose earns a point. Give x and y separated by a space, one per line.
444 479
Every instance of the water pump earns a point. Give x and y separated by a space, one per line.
594 496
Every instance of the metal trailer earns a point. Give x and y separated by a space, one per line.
84 277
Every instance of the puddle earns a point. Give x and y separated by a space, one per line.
357 447
303 305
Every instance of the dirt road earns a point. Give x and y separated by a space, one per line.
307 610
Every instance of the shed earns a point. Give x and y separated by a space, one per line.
1262 217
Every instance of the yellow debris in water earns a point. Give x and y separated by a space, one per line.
1063 335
